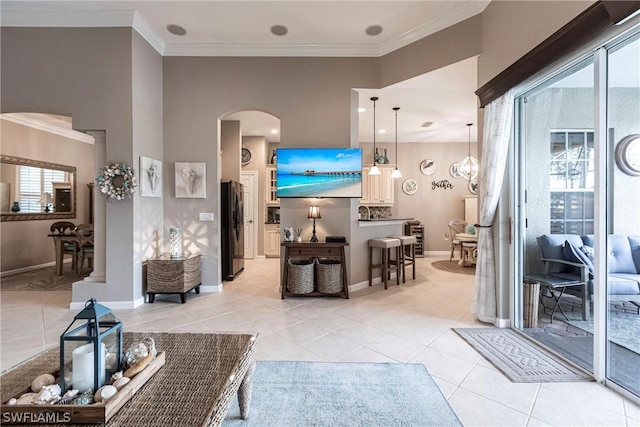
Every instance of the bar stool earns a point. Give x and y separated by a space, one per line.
407 254
385 245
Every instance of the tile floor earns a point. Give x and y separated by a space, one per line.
409 324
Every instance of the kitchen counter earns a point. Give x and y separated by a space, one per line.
382 221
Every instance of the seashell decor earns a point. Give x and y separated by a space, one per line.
49 394
41 381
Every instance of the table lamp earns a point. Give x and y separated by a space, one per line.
314 212
46 200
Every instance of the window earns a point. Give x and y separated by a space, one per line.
34 182
571 175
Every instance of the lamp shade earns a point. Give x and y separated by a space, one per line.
374 169
314 212
46 198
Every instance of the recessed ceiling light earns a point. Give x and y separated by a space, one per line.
279 30
274 131
382 131
361 110
176 30
373 30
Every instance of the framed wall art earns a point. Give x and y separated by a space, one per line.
410 186
150 177
428 167
191 180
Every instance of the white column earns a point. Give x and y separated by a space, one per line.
99 215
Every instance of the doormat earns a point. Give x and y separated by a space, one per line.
518 358
287 394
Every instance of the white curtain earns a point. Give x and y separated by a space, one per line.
495 144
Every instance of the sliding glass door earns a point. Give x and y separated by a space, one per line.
557 167
577 175
622 255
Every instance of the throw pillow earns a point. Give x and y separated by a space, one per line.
588 251
573 254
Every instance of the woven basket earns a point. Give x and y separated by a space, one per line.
329 276
300 279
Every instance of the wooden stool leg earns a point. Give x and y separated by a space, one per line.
402 260
398 257
385 265
413 257
370 265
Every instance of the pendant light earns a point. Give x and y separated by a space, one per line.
468 167
375 170
396 173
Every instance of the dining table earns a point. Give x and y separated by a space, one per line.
466 238
59 239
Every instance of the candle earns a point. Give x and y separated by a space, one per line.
83 367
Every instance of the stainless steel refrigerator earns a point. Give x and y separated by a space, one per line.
232 244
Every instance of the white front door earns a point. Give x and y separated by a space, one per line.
249 180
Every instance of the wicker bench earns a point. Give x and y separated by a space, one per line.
201 375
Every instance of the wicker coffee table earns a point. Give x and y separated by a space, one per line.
201 375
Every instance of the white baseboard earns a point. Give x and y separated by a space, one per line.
30 268
114 305
211 288
503 323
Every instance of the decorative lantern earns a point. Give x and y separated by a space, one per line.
90 348
175 242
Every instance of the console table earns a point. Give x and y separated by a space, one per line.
166 275
333 250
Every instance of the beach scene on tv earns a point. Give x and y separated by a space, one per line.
319 172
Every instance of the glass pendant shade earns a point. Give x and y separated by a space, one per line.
396 173
468 167
375 170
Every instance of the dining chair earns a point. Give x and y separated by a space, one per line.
84 236
68 248
456 226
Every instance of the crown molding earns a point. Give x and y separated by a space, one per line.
131 18
315 50
45 127
463 11
66 18
146 32
86 19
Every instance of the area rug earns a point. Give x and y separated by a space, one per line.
343 395
42 279
624 329
518 358
453 267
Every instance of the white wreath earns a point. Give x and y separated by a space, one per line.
117 181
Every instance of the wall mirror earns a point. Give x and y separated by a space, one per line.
35 190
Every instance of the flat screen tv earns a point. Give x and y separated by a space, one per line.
319 172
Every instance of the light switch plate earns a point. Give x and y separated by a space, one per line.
205 216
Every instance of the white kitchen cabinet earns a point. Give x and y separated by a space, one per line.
377 189
271 197
272 240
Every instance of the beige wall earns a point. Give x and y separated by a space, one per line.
87 74
25 243
510 29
